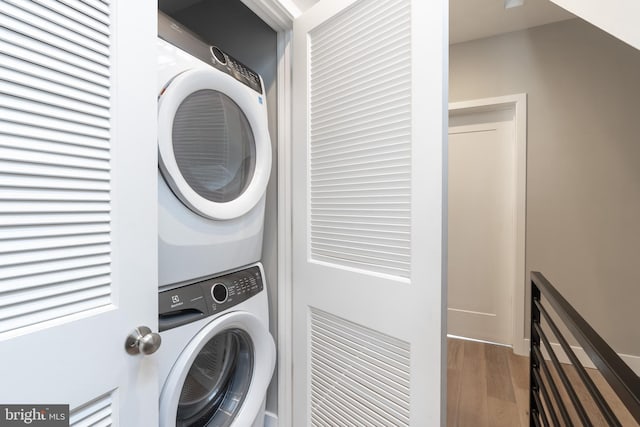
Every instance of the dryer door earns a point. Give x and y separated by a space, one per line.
213 141
219 380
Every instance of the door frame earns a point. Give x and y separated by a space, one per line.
284 355
517 103
280 18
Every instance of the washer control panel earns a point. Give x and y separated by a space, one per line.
209 297
219 293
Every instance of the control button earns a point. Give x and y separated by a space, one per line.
219 55
219 293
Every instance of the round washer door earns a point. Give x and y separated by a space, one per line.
220 379
213 143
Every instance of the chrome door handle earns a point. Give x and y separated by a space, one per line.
142 340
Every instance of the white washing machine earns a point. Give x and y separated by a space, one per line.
214 158
217 356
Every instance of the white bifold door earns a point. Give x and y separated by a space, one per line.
78 261
369 149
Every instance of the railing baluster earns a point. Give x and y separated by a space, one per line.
541 410
546 398
535 421
554 387
605 409
535 342
584 418
624 382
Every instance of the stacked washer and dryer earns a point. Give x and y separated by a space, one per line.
217 356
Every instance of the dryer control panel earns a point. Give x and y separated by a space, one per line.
174 33
209 297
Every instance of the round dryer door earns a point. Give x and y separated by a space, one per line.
221 378
213 142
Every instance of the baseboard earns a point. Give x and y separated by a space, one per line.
270 419
632 361
458 337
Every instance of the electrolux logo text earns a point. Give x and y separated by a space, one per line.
34 415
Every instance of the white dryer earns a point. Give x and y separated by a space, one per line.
214 154
217 356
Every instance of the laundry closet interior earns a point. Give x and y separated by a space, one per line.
239 35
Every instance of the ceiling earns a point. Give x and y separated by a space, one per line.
468 19
475 19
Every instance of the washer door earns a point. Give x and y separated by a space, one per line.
213 143
221 377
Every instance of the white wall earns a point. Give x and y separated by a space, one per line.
618 17
583 183
235 29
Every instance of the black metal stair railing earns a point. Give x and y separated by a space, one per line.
547 407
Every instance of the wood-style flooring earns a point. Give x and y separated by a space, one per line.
488 386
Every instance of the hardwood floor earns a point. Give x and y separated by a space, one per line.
488 386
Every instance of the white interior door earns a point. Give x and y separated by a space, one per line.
482 231
369 102
78 260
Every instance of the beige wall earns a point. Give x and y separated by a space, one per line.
583 183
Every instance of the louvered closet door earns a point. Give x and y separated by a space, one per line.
368 154
77 206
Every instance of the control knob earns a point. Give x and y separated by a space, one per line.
219 293
218 55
